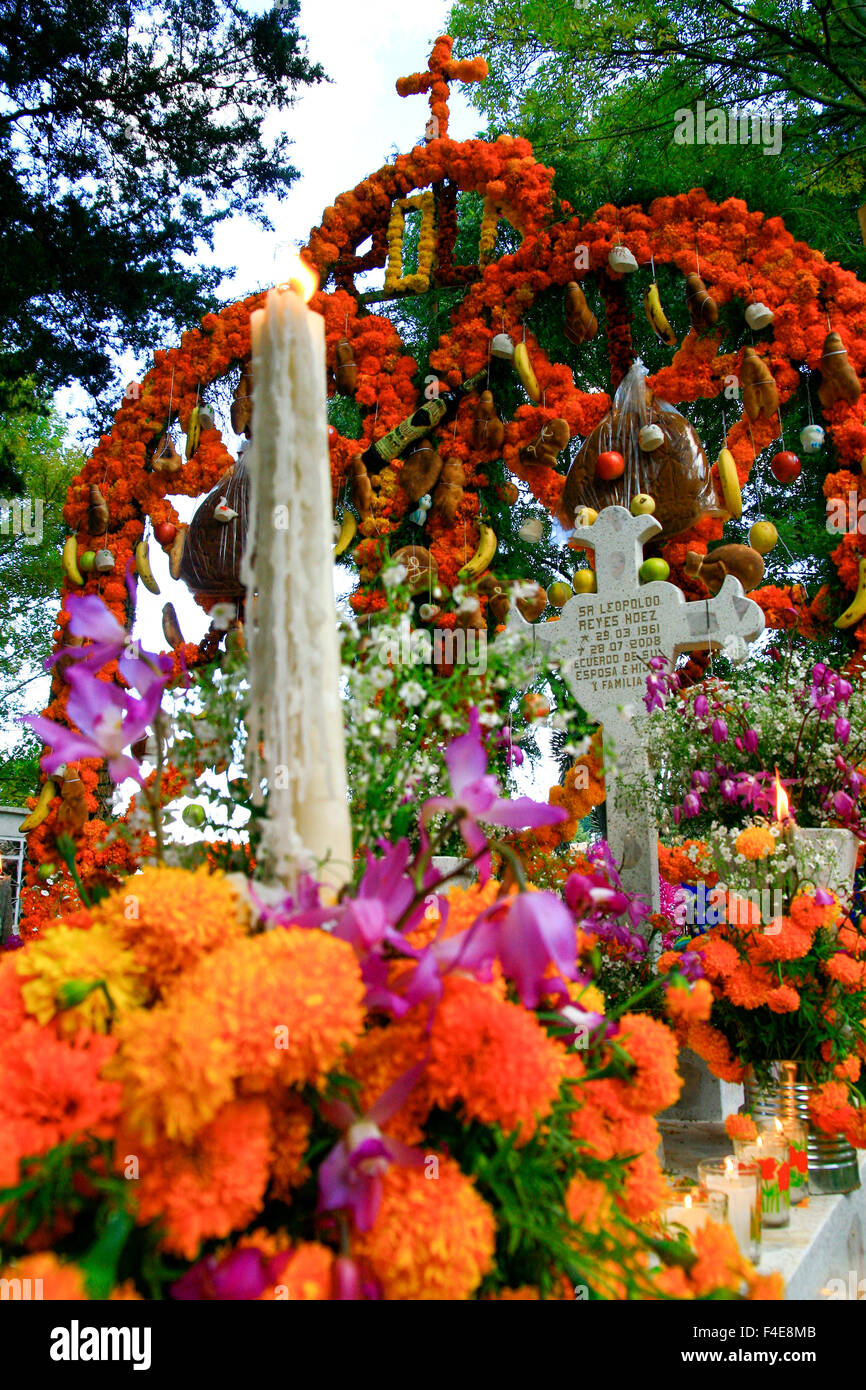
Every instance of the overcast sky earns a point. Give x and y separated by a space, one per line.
345 129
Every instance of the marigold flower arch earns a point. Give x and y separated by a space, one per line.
743 255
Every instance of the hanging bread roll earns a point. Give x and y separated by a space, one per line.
346 369
420 471
489 431
550 441
449 490
838 378
581 323
760 396
703 309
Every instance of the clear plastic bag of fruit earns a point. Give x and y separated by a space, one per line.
661 455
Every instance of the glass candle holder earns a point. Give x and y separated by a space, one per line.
770 1151
693 1209
797 1136
741 1184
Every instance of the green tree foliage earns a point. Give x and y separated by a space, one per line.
597 88
32 532
127 133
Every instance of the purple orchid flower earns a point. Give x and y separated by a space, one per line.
350 1178
475 797
581 1025
702 706
240 1275
691 804
719 731
535 930
109 720
90 617
842 730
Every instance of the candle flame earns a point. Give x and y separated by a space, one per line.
783 805
301 278
780 1128
730 1167
687 1200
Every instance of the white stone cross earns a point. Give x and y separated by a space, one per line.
605 641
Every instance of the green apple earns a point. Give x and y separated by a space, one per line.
654 569
584 582
194 816
642 504
46 871
87 560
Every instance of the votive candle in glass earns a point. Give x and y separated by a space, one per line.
741 1184
694 1209
770 1151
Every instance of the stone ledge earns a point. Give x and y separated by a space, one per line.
825 1241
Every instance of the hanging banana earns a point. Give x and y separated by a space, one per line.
142 565
484 553
193 432
41 809
857 607
523 367
347 532
731 494
658 318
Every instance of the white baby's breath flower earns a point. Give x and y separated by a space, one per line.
393 576
411 693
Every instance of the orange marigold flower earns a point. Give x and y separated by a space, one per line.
307 1277
784 1000
606 1123
82 976
493 1057
848 939
291 1121
673 1282
49 1278
755 842
811 915
280 1007
12 1011
719 957
172 917
430 1240
588 1202
848 1069
684 1005
50 1090
740 1127
653 1050
667 961
749 987
851 974
766 1288
527 1293
643 1187
781 939
719 1264
829 1107
207 1190
713 1046
383 1055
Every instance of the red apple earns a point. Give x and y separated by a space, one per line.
333 435
785 467
164 533
610 465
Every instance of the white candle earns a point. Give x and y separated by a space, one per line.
743 1193
295 728
693 1212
